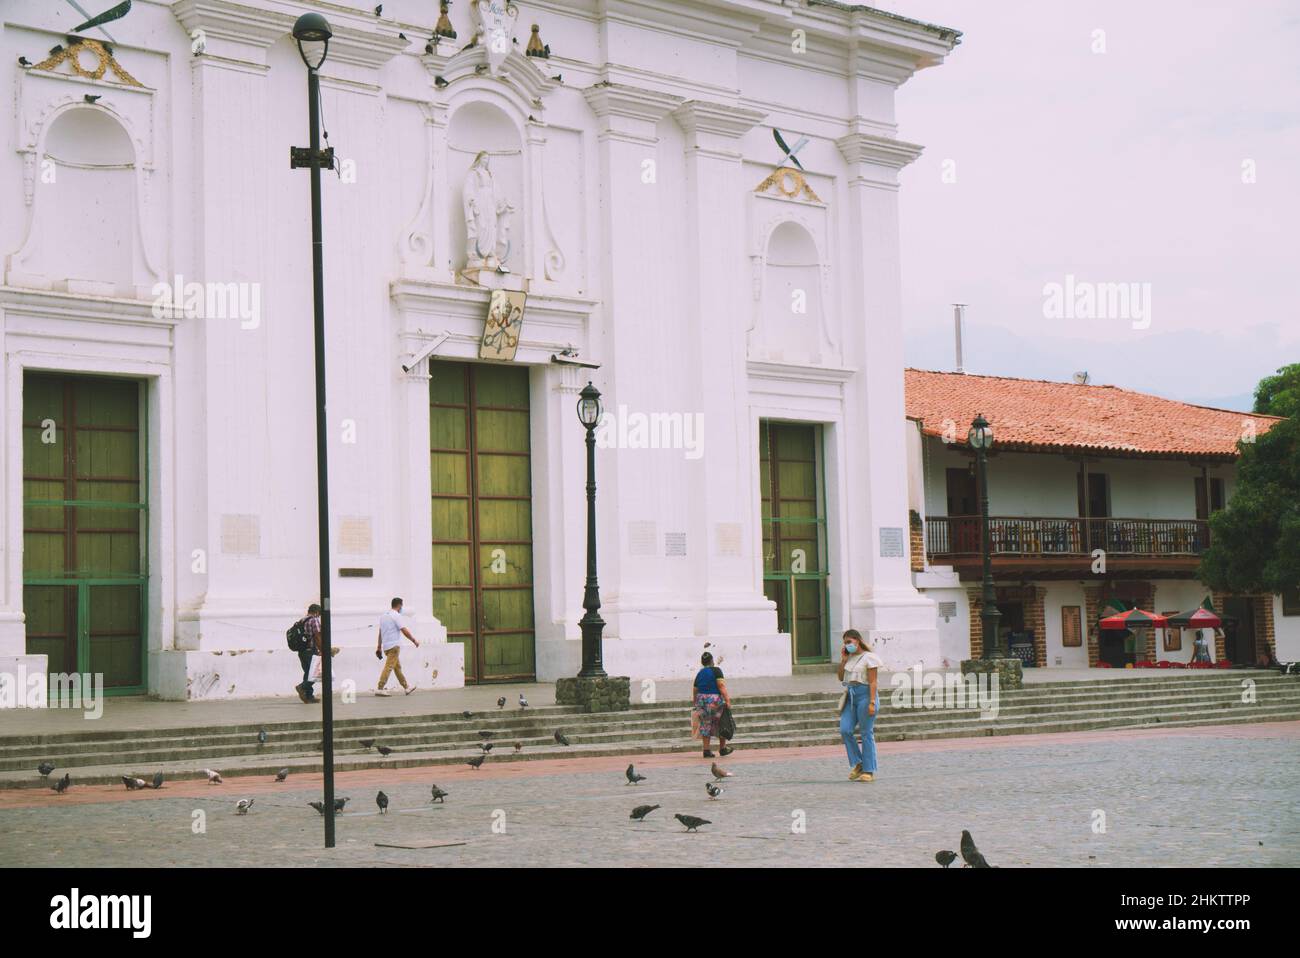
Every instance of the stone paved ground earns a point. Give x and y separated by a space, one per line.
1226 796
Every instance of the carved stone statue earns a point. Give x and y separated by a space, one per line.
487 218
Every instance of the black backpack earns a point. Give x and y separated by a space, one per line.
297 636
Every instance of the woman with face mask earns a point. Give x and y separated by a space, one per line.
858 671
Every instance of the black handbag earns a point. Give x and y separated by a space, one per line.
726 724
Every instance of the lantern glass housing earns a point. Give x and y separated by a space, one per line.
981 434
312 33
589 406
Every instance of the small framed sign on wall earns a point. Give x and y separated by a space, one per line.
1173 635
1071 627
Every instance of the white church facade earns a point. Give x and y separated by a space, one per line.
692 205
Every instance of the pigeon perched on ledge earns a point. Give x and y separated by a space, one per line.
45 768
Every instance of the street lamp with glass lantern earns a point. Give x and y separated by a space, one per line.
312 33
592 625
980 438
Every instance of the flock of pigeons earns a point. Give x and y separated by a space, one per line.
711 788
969 854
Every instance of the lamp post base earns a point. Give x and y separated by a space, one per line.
1009 670
612 693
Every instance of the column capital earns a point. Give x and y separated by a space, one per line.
886 154
627 112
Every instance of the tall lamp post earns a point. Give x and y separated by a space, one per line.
593 626
312 33
980 438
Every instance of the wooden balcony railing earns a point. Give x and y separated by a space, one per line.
1044 537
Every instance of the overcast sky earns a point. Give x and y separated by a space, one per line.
1117 167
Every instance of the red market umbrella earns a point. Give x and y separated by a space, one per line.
1196 619
1133 619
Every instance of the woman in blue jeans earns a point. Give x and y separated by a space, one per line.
858 671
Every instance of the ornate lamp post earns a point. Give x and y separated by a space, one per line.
980 439
592 624
312 33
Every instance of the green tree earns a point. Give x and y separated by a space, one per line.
1255 541
1280 395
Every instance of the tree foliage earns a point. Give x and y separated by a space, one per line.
1255 541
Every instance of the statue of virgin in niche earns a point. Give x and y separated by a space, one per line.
487 218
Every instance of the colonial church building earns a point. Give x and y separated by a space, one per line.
692 205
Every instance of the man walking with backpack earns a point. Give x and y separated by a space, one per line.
304 638
389 646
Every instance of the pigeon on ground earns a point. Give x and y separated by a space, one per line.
262 736
485 746
476 761
382 801
632 776
367 743
559 737
719 773
519 747
319 806
438 795
945 857
339 803
485 734
281 775
501 702
383 750
714 790
62 784
157 780
243 805
467 715
45 768
523 702
132 783
214 778
691 822
969 853
641 811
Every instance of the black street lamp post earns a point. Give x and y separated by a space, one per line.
593 626
312 33
980 438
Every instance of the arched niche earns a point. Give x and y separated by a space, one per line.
791 324
481 127
85 229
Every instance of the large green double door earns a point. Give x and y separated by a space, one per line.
482 516
794 534
85 516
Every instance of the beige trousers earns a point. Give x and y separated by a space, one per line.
391 664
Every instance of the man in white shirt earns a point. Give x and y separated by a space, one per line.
389 647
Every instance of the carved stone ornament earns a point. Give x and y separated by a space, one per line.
790 183
494 29
105 62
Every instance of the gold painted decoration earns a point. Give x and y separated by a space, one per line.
505 321
790 183
105 62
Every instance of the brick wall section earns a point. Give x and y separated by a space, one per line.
917 536
1264 626
1036 619
976 623
1220 642
1091 601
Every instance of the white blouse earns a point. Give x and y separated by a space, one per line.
855 668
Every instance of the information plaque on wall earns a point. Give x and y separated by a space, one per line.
891 542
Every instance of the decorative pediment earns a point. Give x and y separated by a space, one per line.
88 59
520 73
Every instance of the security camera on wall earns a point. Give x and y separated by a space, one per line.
425 352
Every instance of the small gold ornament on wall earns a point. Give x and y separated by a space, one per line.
105 62
790 183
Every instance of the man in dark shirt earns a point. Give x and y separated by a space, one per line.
311 628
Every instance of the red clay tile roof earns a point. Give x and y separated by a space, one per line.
1033 414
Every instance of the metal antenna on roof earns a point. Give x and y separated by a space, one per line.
958 314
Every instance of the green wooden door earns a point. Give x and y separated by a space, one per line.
482 516
794 534
85 514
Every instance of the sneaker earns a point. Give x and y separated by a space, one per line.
383 692
302 693
708 755
410 689
726 750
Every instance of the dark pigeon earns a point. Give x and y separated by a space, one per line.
476 761
339 803
45 768
501 702
467 714
486 746
945 857
383 750
519 746
367 743
262 736
319 806
560 737
714 789
281 775
641 811
969 853
691 822
382 801
157 780
62 784
485 734
633 777
438 795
